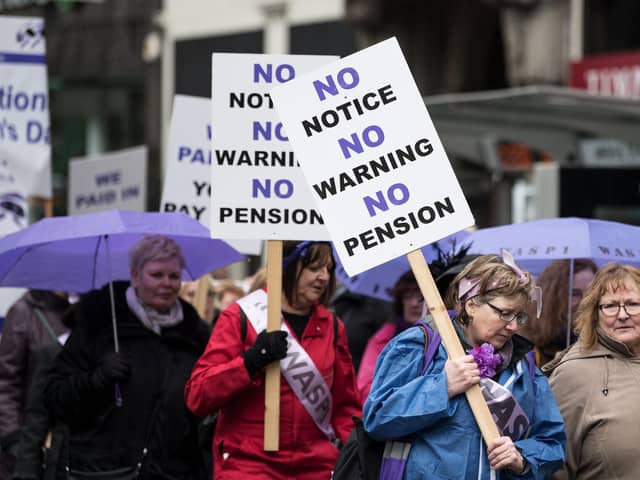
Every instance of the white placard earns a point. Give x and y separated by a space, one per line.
372 157
25 152
258 190
114 180
187 186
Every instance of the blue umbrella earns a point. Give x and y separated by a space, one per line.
378 282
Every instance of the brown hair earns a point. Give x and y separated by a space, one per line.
314 252
551 327
406 283
496 279
609 278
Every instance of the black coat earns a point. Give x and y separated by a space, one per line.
153 415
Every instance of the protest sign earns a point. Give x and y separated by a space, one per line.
24 105
187 181
115 180
379 173
374 161
24 120
257 188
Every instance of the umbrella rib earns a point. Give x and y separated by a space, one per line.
26 250
189 271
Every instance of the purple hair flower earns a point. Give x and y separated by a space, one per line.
486 359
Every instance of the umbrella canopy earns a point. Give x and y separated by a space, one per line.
378 282
69 253
536 243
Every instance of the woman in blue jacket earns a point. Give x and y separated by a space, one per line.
492 297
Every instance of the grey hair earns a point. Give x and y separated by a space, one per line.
154 247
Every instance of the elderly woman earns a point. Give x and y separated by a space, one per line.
598 380
492 298
317 390
150 433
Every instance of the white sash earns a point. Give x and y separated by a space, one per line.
297 367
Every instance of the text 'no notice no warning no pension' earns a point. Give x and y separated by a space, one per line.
372 157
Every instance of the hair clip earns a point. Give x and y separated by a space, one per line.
507 258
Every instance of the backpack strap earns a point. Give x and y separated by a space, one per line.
432 341
243 325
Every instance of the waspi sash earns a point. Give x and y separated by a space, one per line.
297 367
509 416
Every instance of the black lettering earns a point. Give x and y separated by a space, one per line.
367 238
386 94
225 213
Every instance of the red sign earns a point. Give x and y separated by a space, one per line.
616 75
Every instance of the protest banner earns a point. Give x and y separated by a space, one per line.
114 180
187 186
25 153
378 171
257 188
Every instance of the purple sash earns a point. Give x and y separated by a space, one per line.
505 410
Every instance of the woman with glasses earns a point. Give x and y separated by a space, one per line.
492 299
597 383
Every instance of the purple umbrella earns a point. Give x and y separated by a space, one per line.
536 243
71 253
85 252
378 282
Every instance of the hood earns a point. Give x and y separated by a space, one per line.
47 300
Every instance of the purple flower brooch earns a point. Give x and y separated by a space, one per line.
486 359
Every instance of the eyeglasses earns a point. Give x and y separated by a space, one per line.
508 316
613 309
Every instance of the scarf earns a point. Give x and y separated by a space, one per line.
150 317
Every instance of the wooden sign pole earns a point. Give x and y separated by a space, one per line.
272 376
202 292
450 340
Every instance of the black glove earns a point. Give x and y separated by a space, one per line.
268 347
113 368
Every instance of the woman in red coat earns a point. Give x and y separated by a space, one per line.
317 390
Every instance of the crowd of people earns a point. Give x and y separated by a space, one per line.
176 392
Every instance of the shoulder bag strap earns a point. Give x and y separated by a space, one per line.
45 323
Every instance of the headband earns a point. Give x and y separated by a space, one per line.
470 287
300 250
